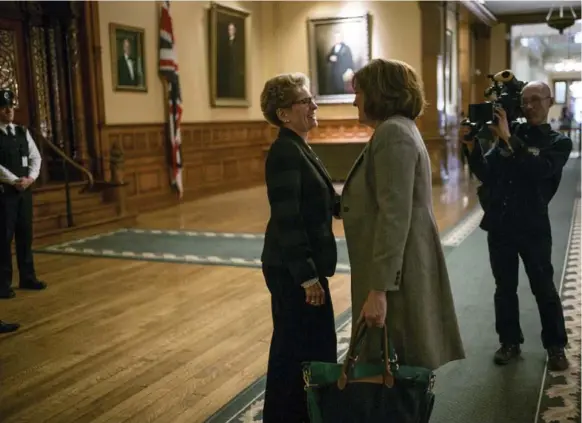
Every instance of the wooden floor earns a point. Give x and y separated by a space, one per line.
133 341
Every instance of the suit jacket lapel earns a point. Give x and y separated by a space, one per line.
312 157
356 164
310 154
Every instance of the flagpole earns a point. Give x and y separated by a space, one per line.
171 127
175 129
170 80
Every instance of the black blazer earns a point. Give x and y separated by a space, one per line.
303 202
123 75
517 188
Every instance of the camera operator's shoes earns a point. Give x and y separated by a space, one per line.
506 353
557 360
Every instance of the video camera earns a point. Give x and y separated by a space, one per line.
505 93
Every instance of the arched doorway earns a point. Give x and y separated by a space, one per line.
43 62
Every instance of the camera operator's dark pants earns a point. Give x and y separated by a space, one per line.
535 249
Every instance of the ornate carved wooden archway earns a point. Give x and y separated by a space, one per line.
45 59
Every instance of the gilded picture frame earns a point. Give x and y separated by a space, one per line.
337 47
228 29
128 60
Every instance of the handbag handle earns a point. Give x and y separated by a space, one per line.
352 355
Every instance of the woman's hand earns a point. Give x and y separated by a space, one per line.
315 295
375 308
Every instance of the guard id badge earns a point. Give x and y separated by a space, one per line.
24 161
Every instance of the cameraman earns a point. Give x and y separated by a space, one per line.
520 175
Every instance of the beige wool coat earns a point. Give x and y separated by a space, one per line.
394 246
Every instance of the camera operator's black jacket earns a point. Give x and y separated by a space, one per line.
518 186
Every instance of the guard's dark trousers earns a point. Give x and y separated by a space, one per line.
535 249
301 332
16 222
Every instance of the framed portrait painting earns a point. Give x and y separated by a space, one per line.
127 58
338 47
228 56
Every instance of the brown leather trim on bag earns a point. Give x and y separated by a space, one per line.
350 361
387 380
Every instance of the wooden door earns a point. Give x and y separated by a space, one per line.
14 68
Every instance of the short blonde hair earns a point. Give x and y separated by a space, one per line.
390 87
280 92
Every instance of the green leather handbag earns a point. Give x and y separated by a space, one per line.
352 392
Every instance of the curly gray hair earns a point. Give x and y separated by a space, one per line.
280 92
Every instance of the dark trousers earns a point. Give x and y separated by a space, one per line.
16 222
300 333
535 248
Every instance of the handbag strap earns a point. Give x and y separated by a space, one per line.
388 355
386 347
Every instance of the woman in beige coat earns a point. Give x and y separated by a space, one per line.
399 274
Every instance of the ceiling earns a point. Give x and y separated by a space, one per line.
500 7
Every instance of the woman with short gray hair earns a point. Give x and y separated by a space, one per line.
299 251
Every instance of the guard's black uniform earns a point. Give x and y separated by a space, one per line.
15 208
516 191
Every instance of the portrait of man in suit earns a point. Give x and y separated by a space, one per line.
127 58
228 56
340 66
338 48
231 61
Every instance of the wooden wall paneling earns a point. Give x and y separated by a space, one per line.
60 80
508 46
433 32
81 150
338 143
218 156
452 87
40 86
93 72
482 41
340 130
54 88
465 69
14 57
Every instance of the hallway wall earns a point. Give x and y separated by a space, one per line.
224 148
498 49
277 40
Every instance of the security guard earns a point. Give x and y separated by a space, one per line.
19 167
520 175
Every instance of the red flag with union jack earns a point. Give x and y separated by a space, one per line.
168 68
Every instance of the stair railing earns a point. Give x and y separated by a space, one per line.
63 155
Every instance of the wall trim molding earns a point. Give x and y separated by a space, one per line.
219 156
225 121
480 12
